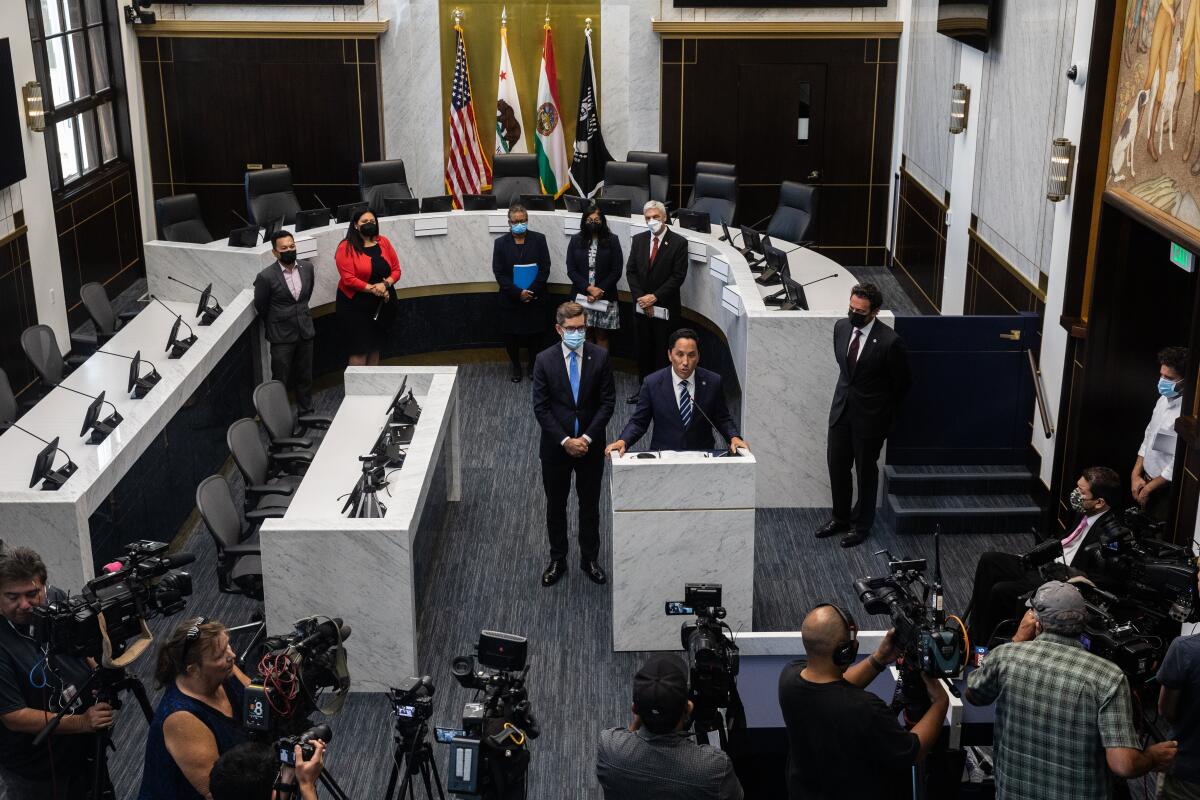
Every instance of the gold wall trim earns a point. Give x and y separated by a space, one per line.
1034 290
262 29
17 233
887 29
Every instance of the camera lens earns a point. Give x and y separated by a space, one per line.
462 666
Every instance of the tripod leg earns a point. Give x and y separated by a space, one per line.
391 787
437 779
332 785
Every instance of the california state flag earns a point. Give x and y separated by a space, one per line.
510 136
551 144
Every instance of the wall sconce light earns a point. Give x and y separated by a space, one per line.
1062 169
960 107
35 110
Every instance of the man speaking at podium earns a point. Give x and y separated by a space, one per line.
684 401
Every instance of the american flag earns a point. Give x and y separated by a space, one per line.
467 171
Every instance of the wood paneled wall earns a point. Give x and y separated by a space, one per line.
737 100
919 259
17 305
994 287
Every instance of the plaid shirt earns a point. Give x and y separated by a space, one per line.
1057 708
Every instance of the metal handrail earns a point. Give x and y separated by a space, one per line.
1040 393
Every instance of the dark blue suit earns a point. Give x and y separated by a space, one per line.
657 402
557 412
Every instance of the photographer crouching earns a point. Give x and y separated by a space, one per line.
33 687
199 715
251 771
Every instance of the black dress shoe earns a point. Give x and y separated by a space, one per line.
632 399
831 528
515 375
593 571
554 572
855 537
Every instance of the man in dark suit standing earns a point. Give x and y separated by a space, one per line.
573 400
872 382
281 293
684 402
656 269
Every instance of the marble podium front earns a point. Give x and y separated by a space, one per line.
316 561
678 518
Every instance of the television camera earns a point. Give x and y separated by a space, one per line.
412 704
713 661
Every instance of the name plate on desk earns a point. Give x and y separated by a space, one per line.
306 246
430 226
731 300
697 251
718 267
497 223
570 226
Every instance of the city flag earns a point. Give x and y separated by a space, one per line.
591 154
510 135
551 144
467 171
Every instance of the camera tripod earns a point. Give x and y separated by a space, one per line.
364 500
417 756
111 682
707 720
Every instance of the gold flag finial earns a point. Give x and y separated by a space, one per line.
587 25
458 16
547 13
503 15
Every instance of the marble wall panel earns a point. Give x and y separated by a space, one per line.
932 70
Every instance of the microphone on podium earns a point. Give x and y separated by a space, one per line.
139 384
204 310
175 345
43 466
91 419
700 408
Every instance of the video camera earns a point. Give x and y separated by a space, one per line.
413 703
291 675
491 758
1158 575
713 658
286 745
135 588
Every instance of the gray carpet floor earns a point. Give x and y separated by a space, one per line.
489 552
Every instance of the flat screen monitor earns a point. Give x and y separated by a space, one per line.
401 206
777 262
92 415
698 221
313 218
398 397
794 292
173 337
438 204
576 204
273 227
135 370
537 202
44 463
967 21
243 237
751 239
614 206
12 153
348 211
479 202
202 304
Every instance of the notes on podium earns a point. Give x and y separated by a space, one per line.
679 517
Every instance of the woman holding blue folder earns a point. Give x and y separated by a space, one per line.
521 264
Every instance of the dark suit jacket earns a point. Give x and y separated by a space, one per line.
665 276
515 316
657 402
554 406
608 265
871 395
284 319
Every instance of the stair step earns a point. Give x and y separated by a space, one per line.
972 479
972 513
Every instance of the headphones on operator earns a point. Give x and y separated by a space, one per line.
844 652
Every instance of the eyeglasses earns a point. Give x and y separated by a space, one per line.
193 633
574 328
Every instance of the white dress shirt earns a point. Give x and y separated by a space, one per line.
1070 550
862 340
291 276
676 381
566 351
1158 443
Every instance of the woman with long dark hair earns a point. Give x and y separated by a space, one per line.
366 299
594 265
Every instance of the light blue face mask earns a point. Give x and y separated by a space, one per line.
1168 388
519 227
573 339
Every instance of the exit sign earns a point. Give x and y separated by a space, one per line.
1182 258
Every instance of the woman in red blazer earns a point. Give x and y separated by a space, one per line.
366 301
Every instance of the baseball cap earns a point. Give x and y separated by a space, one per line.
660 692
1057 603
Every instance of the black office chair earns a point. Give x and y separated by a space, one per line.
269 196
797 209
479 202
437 204
627 180
179 219
712 168
266 476
716 195
41 348
239 559
660 172
514 174
285 430
8 403
380 179
99 309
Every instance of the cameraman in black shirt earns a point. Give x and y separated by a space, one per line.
844 741
33 688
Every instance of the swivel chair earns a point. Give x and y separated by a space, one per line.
99 309
179 219
797 209
716 195
514 174
711 168
378 180
266 476
239 558
284 429
660 172
627 180
269 196
41 348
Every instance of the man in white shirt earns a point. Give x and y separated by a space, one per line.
1001 579
1153 470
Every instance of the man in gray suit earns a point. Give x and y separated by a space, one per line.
281 293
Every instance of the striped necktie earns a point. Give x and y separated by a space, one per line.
685 404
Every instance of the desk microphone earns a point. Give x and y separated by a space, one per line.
138 384
175 345
696 405
91 420
818 280
207 312
249 224
322 202
53 479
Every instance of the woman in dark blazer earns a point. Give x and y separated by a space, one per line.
366 302
522 314
594 265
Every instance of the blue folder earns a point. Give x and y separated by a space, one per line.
523 275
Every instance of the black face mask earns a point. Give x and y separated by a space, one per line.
858 320
287 257
592 228
369 229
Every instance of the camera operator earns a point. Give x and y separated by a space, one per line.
656 756
199 715
845 741
1179 704
1001 579
1152 472
249 772
1062 713
32 685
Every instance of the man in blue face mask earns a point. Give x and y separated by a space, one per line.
573 400
1152 472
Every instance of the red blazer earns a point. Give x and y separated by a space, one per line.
355 268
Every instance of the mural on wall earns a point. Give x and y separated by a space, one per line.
1155 152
